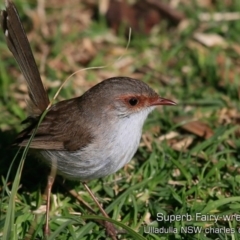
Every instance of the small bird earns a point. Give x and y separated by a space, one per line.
96 134
90 136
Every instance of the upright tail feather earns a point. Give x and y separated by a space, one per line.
19 46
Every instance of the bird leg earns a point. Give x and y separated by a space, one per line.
50 181
80 200
110 229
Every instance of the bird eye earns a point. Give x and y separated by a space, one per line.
133 101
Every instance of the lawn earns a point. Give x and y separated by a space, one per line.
183 182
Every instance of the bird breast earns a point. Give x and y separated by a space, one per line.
112 148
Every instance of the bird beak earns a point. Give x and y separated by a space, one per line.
162 101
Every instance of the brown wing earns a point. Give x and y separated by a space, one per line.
63 128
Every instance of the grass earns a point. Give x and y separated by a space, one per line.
166 177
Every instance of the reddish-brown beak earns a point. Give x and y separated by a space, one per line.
162 101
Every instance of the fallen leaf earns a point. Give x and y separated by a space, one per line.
210 40
217 17
147 141
168 136
141 16
196 127
183 144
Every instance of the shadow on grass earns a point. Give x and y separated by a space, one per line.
34 171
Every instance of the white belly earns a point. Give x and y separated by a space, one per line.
111 151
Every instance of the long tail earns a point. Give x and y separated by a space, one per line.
19 46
